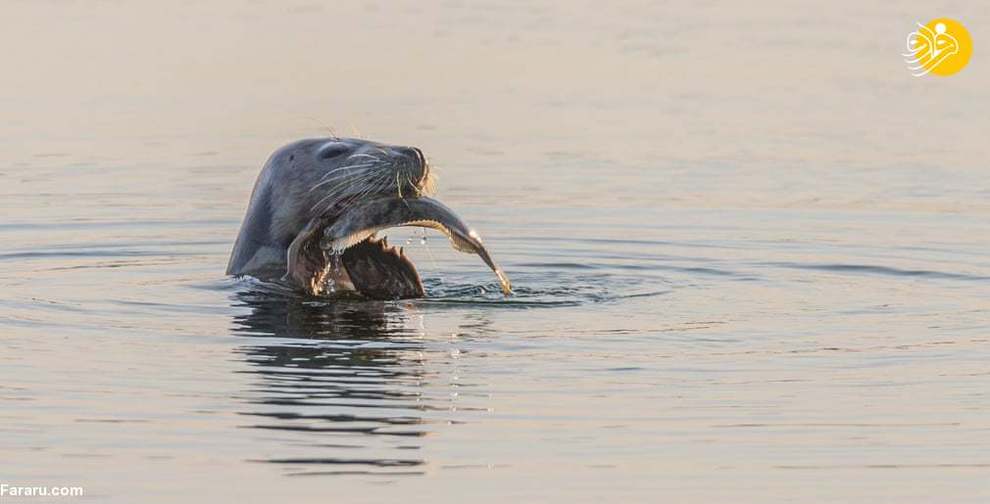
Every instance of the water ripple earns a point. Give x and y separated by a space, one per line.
880 270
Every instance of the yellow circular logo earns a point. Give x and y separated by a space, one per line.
941 47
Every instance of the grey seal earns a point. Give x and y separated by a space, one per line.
317 208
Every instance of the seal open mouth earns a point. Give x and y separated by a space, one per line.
355 259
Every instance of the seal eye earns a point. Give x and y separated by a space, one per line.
333 150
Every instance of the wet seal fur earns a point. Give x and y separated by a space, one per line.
316 209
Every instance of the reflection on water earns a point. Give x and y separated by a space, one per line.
346 385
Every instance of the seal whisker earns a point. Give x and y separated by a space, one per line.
429 184
415 188
351 167
370 184
359 164
363 165
349 180
375 185
317 186
318 203
340 177
343 180
348 167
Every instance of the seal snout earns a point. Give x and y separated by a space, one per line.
415 165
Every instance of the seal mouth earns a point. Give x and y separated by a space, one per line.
345 255
379 271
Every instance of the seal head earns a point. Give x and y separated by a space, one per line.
318 205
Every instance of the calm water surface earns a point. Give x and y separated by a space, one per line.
750 254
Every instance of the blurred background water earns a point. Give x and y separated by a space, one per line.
750 253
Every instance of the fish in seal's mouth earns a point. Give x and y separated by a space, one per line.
345 255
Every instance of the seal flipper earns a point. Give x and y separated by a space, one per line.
305 264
